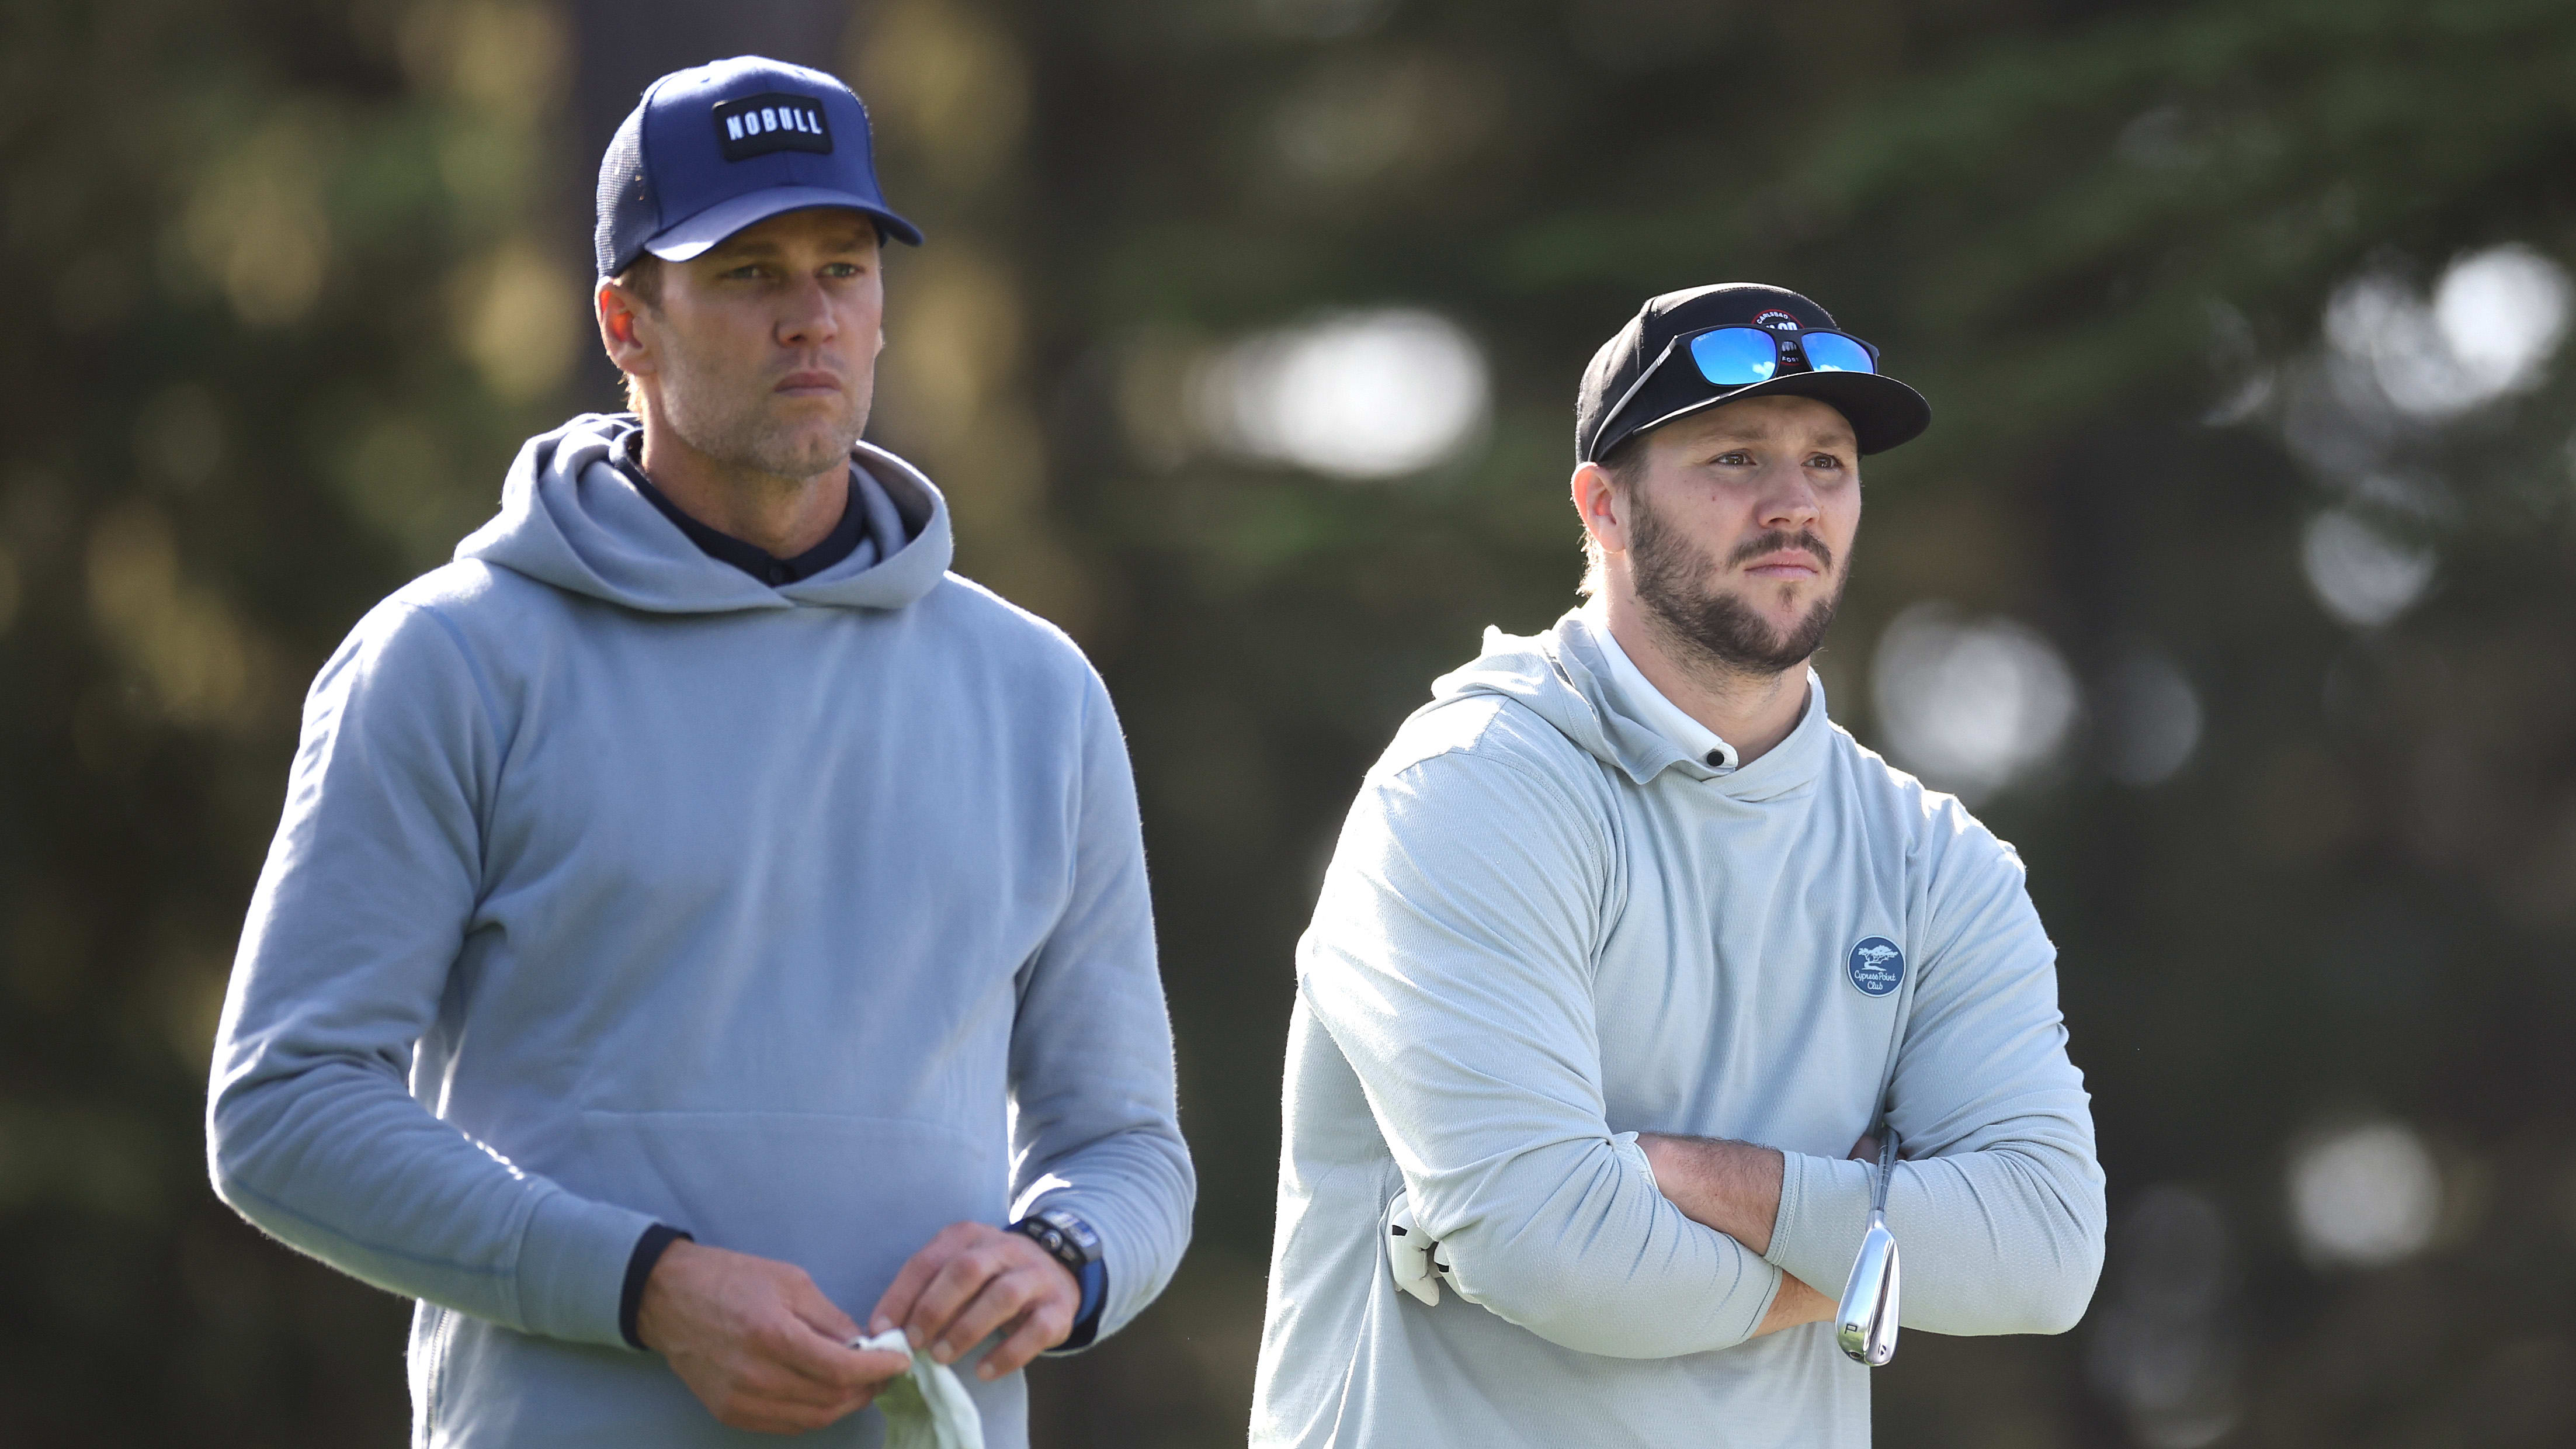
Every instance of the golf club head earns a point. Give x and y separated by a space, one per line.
1882 1331
1865 1323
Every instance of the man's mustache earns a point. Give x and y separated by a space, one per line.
1776 540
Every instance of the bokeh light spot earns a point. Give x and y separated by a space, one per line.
2364 1196
1970 704
2361 575
2154 718
1376 394
2165 1341
2494 320
2502 313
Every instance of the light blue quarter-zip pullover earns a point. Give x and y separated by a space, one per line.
1547 925
616 886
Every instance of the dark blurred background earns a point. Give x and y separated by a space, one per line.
2234 582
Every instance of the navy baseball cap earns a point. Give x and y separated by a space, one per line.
715 148
1638 381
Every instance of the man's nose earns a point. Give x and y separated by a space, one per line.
807 320
1788 499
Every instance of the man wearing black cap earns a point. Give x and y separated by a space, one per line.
1627 949
704 929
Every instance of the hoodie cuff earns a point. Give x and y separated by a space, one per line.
1120 1271
1824 1211
573 1257
1094 1279
649 1249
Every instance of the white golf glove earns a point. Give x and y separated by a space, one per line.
926 1407
1412 1258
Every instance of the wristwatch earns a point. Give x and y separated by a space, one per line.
1068 1238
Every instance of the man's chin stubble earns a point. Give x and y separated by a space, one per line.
749 439
755 445
1723 632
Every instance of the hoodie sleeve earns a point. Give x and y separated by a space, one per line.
1998 1208
1096 1130
1451 961
312 1131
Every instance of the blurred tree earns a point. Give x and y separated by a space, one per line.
277 316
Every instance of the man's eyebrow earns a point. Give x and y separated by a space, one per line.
1736 438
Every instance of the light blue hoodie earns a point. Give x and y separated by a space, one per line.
616 887
1545 927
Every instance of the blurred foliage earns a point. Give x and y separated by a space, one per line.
276 305
296 277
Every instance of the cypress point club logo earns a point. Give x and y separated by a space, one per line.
1877 966
758 125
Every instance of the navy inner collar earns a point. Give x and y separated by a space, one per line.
751 558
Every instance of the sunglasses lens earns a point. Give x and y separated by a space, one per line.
1833 352
1735 356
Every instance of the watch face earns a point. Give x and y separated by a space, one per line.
1066 1229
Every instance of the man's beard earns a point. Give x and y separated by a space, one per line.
1719 628
720 420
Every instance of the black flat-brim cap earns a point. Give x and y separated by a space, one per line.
1611 408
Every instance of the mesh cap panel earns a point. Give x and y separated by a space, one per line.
628 212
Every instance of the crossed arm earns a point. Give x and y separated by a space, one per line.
1450 962
1734 1187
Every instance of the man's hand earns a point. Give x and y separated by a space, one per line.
756 1341
1796 1303
974 1278
1734 1187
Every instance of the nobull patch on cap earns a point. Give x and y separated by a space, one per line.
773 121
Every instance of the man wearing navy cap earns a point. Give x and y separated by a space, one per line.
703 929
1625 944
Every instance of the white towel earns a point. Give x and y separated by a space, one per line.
926 1407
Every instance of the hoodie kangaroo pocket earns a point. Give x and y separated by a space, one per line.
847 1199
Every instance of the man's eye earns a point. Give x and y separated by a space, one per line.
1737 459
1824 460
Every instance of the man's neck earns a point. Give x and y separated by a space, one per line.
1752 712
782 516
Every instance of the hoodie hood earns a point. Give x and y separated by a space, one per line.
570 519
1562 677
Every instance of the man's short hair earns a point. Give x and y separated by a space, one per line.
1626 465
644 278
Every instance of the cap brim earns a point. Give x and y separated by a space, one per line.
691 237
1882 411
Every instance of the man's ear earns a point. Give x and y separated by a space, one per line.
1603 511
619 312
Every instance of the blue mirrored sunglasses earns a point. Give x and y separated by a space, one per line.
1738 356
